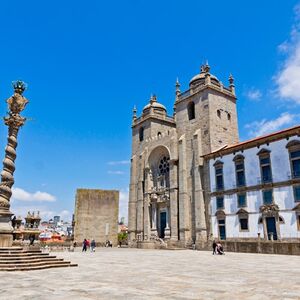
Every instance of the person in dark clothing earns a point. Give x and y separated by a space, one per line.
84 245
220 249
108 244
13 222
214 245
93 245
31 239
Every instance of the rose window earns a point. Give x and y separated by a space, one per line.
164 166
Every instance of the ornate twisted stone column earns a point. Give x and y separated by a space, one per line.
14 121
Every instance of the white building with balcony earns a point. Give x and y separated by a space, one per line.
254 188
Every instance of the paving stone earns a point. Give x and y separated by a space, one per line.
159 274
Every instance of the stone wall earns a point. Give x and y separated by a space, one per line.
268 247
96 215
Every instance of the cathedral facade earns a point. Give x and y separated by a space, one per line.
169 183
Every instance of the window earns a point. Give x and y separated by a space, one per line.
159 134
141 134
163 172
297 193
265 166
267 197
219 113
222 229
240 170
219 175
228 116
298 222
220 202
295 163
243 223
294 151
241 199
191 110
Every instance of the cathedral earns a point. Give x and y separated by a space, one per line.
169 182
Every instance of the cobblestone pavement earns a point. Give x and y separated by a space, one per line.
159 274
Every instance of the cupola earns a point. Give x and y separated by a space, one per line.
153 107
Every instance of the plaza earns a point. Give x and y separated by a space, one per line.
123 273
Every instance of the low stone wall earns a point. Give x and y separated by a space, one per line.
151 245
268 247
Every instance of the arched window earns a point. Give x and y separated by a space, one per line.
228 116
141 134
219 113
163 172
159 134
191 110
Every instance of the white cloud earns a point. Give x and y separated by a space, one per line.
65 215
287 79
253 94
264 126
42 196
22 210
116 172
119 162
46 213
22 195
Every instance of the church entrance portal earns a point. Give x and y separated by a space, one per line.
271 227
163 224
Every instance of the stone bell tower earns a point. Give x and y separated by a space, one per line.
169 180
206 120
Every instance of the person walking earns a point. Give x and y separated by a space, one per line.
84 245
214 245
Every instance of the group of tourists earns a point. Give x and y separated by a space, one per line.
87 244
217 248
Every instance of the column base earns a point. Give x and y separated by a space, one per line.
167 233
174 238
154 233
6 230
185 234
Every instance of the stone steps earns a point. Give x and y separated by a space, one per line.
34 264
31 268
26 257
18 251
23 261
22 254
18 259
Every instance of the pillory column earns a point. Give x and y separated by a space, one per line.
16 103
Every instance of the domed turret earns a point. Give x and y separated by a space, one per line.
203 77
154 107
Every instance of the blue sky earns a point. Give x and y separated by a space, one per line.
88 63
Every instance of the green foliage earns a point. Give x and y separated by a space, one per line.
123 238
